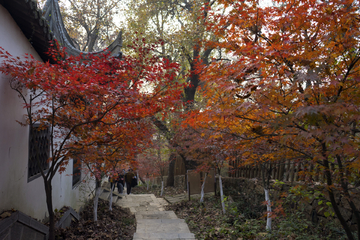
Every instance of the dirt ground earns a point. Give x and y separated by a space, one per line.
118 224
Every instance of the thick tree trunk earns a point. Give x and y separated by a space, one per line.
93 37
188 98
48 191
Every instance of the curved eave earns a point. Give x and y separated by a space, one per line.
53 16
38 31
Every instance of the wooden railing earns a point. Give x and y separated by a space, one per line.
286 170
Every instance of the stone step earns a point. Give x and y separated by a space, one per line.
115 198
105 195
106 185
164 236
162 226
156 215
177 198
144 209
153 222
141 203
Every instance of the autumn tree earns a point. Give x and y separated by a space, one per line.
116 146
91 24
153 160
181 25
78 98
292 84
207 146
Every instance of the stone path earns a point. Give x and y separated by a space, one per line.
153 222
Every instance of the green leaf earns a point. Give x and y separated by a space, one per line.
320 202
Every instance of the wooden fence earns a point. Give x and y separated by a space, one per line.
286 170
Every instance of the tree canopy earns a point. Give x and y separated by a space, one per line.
290 88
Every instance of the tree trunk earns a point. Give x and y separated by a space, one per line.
96 198
202 189
93 37
266 173
345 188
334 203
162 187
268 208
171 175
222 195
48 191
141 180
329 183
111 197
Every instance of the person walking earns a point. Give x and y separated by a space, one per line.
121 181
129 176
112 181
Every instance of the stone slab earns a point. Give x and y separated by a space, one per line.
164 236
104 195
145 208
163 202
184 197
153 222
156 215
177 198
162 226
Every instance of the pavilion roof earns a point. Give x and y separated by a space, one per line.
42 26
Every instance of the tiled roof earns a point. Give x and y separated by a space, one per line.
29 18
41 31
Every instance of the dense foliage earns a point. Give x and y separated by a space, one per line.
288 89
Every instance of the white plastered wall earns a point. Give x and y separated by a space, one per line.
15 190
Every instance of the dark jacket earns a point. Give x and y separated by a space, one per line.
129 176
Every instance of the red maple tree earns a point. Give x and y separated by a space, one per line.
90 102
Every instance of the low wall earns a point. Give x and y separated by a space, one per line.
313 200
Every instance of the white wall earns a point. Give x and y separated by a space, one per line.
15 190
